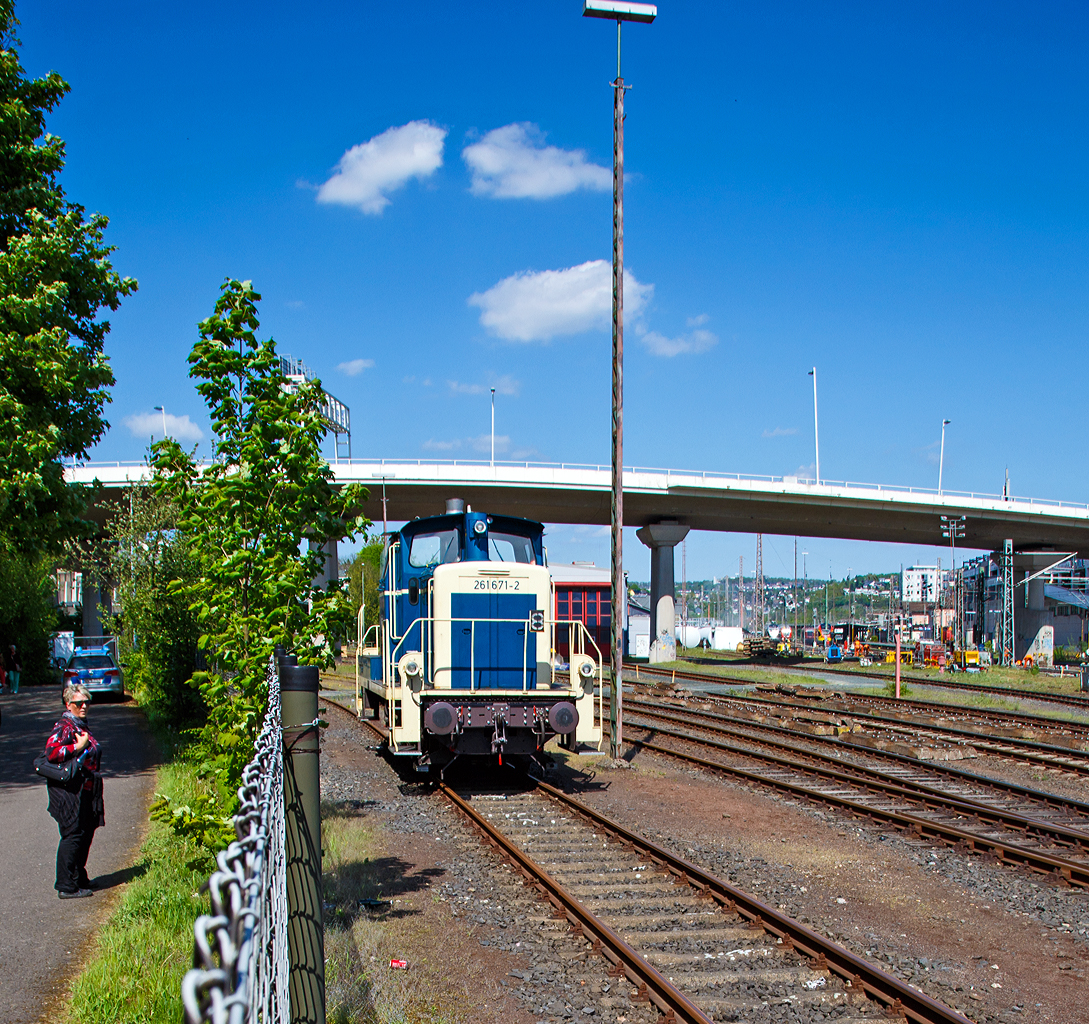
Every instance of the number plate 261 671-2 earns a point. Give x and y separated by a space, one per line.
497 584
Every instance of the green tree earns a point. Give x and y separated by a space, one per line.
27 612
55 278
147 559
363 574
253 522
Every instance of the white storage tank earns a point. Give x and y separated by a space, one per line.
727 638
690 635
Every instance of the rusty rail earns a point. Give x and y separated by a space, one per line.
1009 853
897 995
651 984
865 778
842 744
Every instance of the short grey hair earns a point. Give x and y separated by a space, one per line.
73 690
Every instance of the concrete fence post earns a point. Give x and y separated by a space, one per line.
302 815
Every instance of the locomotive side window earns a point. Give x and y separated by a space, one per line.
437 548
509 547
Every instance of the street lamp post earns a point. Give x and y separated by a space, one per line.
941 456
618 11
161 409
816 436
493 428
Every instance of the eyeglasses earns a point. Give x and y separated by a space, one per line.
78 703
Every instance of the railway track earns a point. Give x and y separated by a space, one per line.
1067 756
925 812
1071 700
696 947
926 775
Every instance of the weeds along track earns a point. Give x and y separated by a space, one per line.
1016 836
1046 743
1069 699
695 947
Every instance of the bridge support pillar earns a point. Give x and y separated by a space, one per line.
662 538
94 606
331 569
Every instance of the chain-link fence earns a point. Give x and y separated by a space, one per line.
241 954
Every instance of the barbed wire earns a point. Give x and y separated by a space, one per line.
240 972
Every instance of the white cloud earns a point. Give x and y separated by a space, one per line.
692 343
512 163
368 172
780 432
354 367
482 443
505 385
537 306
150 424
697 321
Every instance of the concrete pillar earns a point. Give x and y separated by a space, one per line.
662 538
1029 610
94 603
331 571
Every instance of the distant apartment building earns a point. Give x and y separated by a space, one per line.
919 584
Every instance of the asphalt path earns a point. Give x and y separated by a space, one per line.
43 940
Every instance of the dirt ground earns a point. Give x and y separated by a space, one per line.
998 944
886 898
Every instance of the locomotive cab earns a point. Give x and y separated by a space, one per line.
462 661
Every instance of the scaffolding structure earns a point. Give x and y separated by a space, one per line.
335 413
1005 621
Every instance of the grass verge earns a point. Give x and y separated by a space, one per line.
134 973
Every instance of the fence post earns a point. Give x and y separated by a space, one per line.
302 816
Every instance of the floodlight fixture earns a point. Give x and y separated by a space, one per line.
619 10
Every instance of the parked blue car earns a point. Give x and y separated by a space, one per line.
96 669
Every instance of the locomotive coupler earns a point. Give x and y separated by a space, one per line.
499 733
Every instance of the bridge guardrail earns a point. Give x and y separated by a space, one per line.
673 478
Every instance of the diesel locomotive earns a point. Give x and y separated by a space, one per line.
463 662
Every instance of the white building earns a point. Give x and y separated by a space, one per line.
920 583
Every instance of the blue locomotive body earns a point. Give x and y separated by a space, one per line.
463 659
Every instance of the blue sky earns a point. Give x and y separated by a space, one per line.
893 193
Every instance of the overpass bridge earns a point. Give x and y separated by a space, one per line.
721 502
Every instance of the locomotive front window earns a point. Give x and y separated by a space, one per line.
509 547
437 548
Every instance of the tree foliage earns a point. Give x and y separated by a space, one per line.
145 558
252 522
55 278
27 613
363 574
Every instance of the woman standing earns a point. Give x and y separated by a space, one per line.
14 668
76 806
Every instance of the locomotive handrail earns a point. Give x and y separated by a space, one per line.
399 648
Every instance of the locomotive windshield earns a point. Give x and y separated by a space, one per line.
510 547
435 548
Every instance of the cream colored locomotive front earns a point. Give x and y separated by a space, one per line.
421 663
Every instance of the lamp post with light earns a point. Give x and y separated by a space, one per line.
618 11
816 436
493 428
161 409
941 456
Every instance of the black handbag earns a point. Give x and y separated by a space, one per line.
66 771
